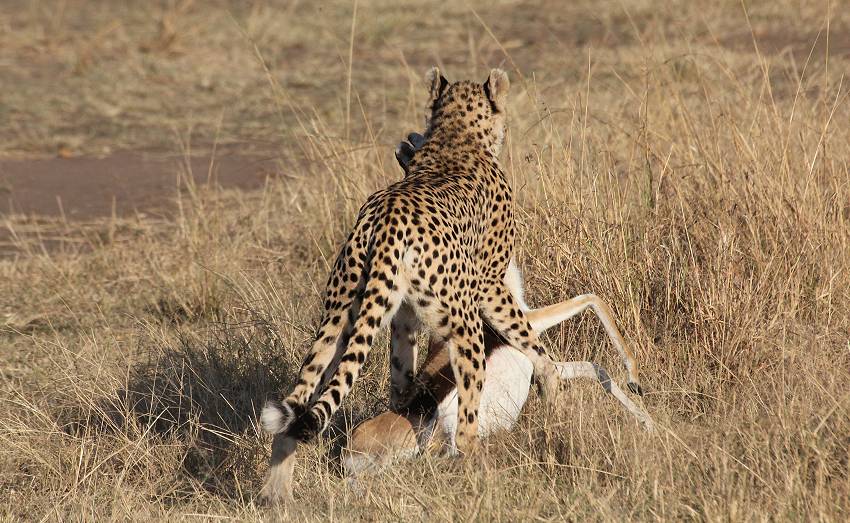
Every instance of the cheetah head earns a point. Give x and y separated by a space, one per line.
468 110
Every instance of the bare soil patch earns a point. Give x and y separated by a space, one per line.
124 183
51 203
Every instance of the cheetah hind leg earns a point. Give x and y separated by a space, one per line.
466 354
454 321
403 355
278 485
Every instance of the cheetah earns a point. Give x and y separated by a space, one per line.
402 373
430 249
428 421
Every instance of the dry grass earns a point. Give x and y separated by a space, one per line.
688 162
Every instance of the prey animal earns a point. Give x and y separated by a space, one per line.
428 421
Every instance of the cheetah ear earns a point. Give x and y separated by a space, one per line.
496 88
437 84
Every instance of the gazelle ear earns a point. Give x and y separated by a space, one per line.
436 83
496 88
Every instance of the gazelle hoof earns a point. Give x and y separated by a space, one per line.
635 388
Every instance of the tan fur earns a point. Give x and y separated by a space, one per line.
385 433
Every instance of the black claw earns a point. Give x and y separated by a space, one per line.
635 388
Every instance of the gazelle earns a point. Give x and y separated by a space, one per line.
428 421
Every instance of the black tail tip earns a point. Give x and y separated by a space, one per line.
635 388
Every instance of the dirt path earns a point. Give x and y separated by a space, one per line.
49 203
88 188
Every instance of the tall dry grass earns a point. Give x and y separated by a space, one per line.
688 163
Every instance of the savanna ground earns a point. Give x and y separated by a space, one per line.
687 161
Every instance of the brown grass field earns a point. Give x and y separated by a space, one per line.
687 161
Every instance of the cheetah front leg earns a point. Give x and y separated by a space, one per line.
451 316
503 313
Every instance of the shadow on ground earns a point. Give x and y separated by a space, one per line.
203 393
207 393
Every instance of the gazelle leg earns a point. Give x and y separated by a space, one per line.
585 369
546 317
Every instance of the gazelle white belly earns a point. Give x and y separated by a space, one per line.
504 393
